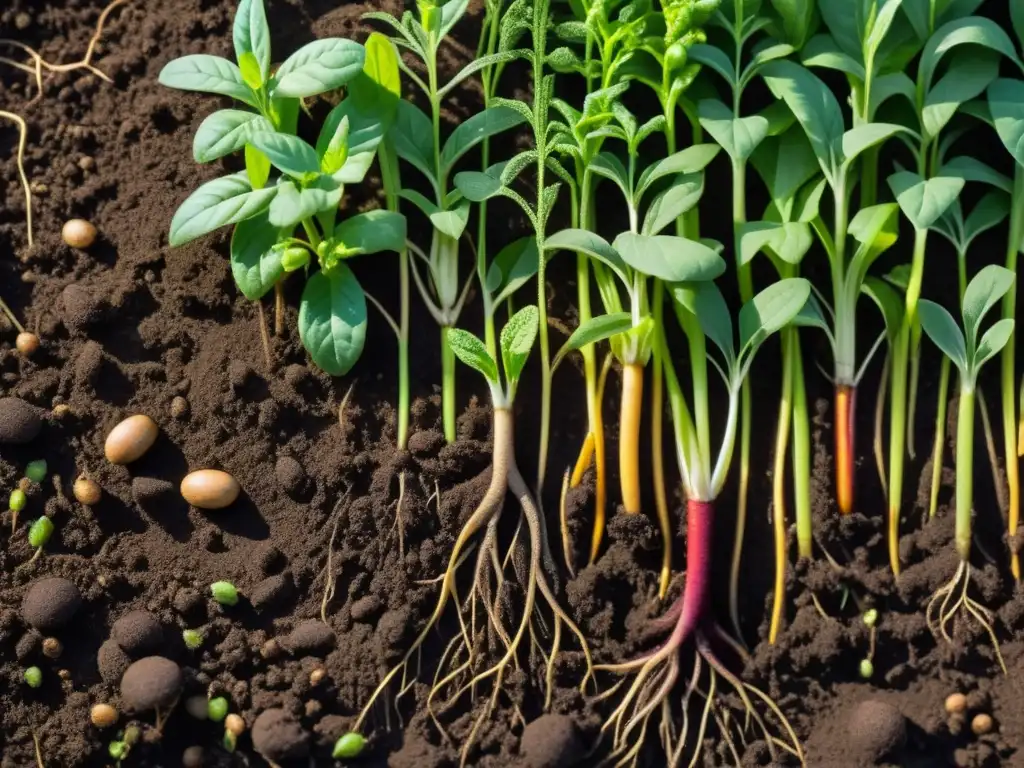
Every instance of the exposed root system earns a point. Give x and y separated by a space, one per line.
953 599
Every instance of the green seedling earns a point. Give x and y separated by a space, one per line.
224 592
122 746
462 671
33 677
416 139
39 533
193 639
969 350
16 503
36 471
265 246
217 709
349 746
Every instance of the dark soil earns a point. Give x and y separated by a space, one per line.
131 327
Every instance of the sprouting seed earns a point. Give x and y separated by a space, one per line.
230 741
348 746
193 639
117 750
40 532
18 500
224 592
870 617
34 677
217 709
36 471
867 669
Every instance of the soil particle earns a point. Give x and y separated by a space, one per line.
80 307
151 683
877 730
112 661
139 633
290 475
189 603
310 637
551 741
151 492
28 645
272 592
278 736
50 604
366 608
192 757
20 422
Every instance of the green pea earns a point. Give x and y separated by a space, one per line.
217 709
36 471
34 677
40 532
224 592
867 669
18 500
117 749
349 745
870 617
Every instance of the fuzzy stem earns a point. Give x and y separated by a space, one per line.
940 437
801 455
447 386
964 472
779 485
845 398
629 436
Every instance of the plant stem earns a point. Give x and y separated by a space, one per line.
657 439
845 426
940 437
447 387
801 454
10 316
779 488
279 308
964 471
1008 372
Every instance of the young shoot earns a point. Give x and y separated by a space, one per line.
472 659
969 350
704 315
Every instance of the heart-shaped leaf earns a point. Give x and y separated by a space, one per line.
739 137
318 67
223 201
923 201
255 263
332 320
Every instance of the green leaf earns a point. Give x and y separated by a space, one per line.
890 85
944 333
705 302
610 167
715 58
255 263
789 241
589 244
690 160
479 127
968 77
377 90
1006 102
990 212
249 66
770 311
513 267
478 186
251 35
453 221
814 106
889 303
223 201
684 193
882 23
739 137
332 320
472 352
982 294
974 30
972 169
923 201
318 67
798 19
257 167
786 164
673 259
373 231
294 203
1017 20
365 132
477 65
863 137
226 131
995 338
595 330
289 154
451 12
876 228
517 339
332 159
822 51
207 74
846 24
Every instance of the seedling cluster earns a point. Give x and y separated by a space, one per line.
843 175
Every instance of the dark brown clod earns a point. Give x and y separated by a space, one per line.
551 741
192 757
877 730
139 633
278 736
272 592
290 475
50 604
149 492
310 638
113 662
151 683
20 422
81 308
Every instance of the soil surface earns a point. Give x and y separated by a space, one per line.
325 528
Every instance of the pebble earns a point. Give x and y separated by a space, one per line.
130 439
192 757
151 683
279 737
179 407
551 741
78 233
210 489
877 730
139 633
310 637
20 422
272 591
50 604
982 724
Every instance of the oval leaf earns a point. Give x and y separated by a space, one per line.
924 201
684 193
770 311
223 201
944 333
289 154
373 231
255 263
252 35
984 292
207 74
1006 103
227 131
673 259
995 338
318 67
332 320
471 351
517 339
481 126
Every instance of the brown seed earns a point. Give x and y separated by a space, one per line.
103 715
317 676
130 439
87 491
210 489
60 410
27 343
234 724
52 648
956 704
79 233
982 724
179 407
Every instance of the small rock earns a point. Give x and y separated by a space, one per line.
272 591
290 475
179 408
20 422
139 633
113 662
22 21
877 730
50 604
150 492
278 736
311 637
551 741
366 608
86 163
151 683
81 308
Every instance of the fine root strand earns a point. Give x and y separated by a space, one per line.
953 599
20 159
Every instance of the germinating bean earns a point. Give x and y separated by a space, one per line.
40 532
348 746
79 233
36 471
224 592
18 500
34 677
217 708
26 343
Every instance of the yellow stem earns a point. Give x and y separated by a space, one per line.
629 436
